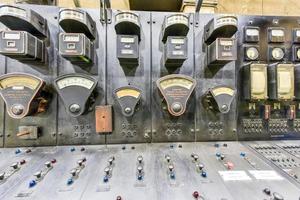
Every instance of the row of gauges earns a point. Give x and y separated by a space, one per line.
276 37
25 94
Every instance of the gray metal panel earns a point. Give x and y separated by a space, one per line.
162 122
139 125
2 104
264 22
47 72
205 80
81 130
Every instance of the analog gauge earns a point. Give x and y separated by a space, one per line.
75 81
176 90
252 53
18 90
128 92
278 53
128 98
75 91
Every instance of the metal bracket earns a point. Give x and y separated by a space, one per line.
197 10
105 11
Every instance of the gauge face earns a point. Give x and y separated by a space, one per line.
226 20
252 53
277 33
71 14
75 90
176 81
128 98
18 91
19 82
128 92
222 90
252 32
176 90
278 53
177 19
127 16
10 10
75 81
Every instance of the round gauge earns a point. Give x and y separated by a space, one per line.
252 53
278 53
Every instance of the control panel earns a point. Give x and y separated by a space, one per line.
112 104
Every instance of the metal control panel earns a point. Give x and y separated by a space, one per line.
138 105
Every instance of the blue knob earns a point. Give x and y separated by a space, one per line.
70 181
172 176
171 146
218 154
140 177
203 174
32 183
17 151
72 149
105 179
243 154
217 145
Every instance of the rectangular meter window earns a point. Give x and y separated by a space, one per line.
11 35
71 38
127 40
296 35
251 34
276 35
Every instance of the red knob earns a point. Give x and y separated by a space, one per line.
53 161
196 195
22 162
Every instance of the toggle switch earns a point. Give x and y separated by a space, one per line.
168 158
38 174
15 165
73 172
48 164
111 160
107 171
140 159
140 169
2 176
171 168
